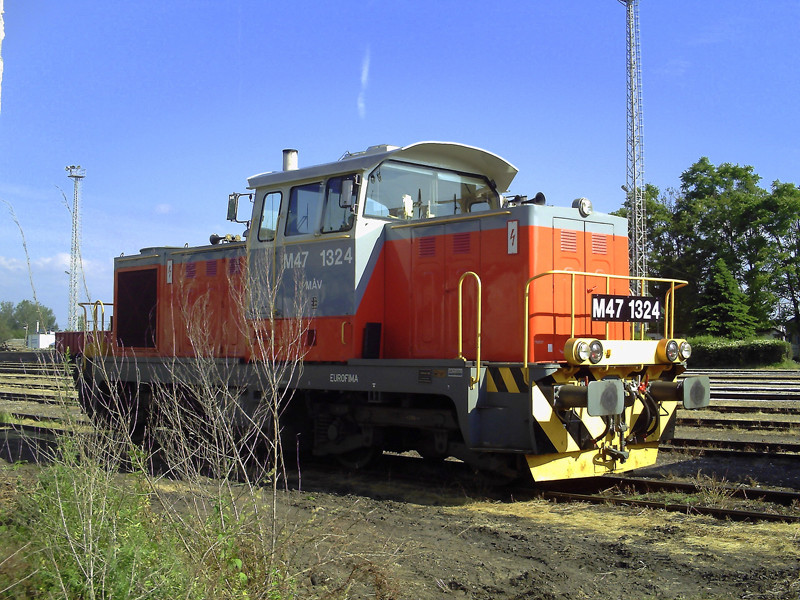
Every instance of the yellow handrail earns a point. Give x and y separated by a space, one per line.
93 342
472 380
669 299
95 305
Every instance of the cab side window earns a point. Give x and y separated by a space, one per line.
403 191
269 216
305 208
339 210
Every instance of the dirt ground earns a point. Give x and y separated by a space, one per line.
388 539
357 535
377 535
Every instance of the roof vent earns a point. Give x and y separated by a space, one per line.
380 148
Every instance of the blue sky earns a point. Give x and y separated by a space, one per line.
171 105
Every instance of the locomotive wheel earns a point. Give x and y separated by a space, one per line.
497 478
497 469
112 407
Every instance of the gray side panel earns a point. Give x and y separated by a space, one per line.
314 279
369 246
448 378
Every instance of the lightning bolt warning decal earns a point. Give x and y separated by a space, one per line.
513 240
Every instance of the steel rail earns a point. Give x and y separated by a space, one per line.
722 513
746 424
782 497
764 446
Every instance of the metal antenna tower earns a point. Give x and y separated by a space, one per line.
76 173
637 233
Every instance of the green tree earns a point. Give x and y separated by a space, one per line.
665 252
721 212
658 223
14 319
30 313
782 231
6 316
719 215
723 307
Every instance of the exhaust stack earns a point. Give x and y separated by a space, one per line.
290 159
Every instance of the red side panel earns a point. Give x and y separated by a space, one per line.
411 292
422 307
398 294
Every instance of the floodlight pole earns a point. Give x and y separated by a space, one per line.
634 188
76 173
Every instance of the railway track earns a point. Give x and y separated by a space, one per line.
719 500
741 503
32 363
35 395
755 423
743 384
752 414
716 499
733 448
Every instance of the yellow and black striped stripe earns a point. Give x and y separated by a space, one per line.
506 380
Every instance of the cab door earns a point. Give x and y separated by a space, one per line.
313 267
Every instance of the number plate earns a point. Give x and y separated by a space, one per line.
625 308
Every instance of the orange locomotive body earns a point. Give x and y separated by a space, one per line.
430 313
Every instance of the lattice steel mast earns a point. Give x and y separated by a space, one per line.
76 173
637 233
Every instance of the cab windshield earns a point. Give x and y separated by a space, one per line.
398 190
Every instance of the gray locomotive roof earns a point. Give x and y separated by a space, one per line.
448 155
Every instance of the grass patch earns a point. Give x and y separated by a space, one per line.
77 529
10 419
84 532
785 365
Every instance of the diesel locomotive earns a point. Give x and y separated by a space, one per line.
427 311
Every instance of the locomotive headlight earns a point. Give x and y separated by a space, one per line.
686 350
579 351
582 351
595 352
672 350
584 206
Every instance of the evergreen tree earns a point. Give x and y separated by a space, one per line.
723 309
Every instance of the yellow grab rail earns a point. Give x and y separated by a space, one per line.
344 325
95 305
472 380
669 299
93 342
